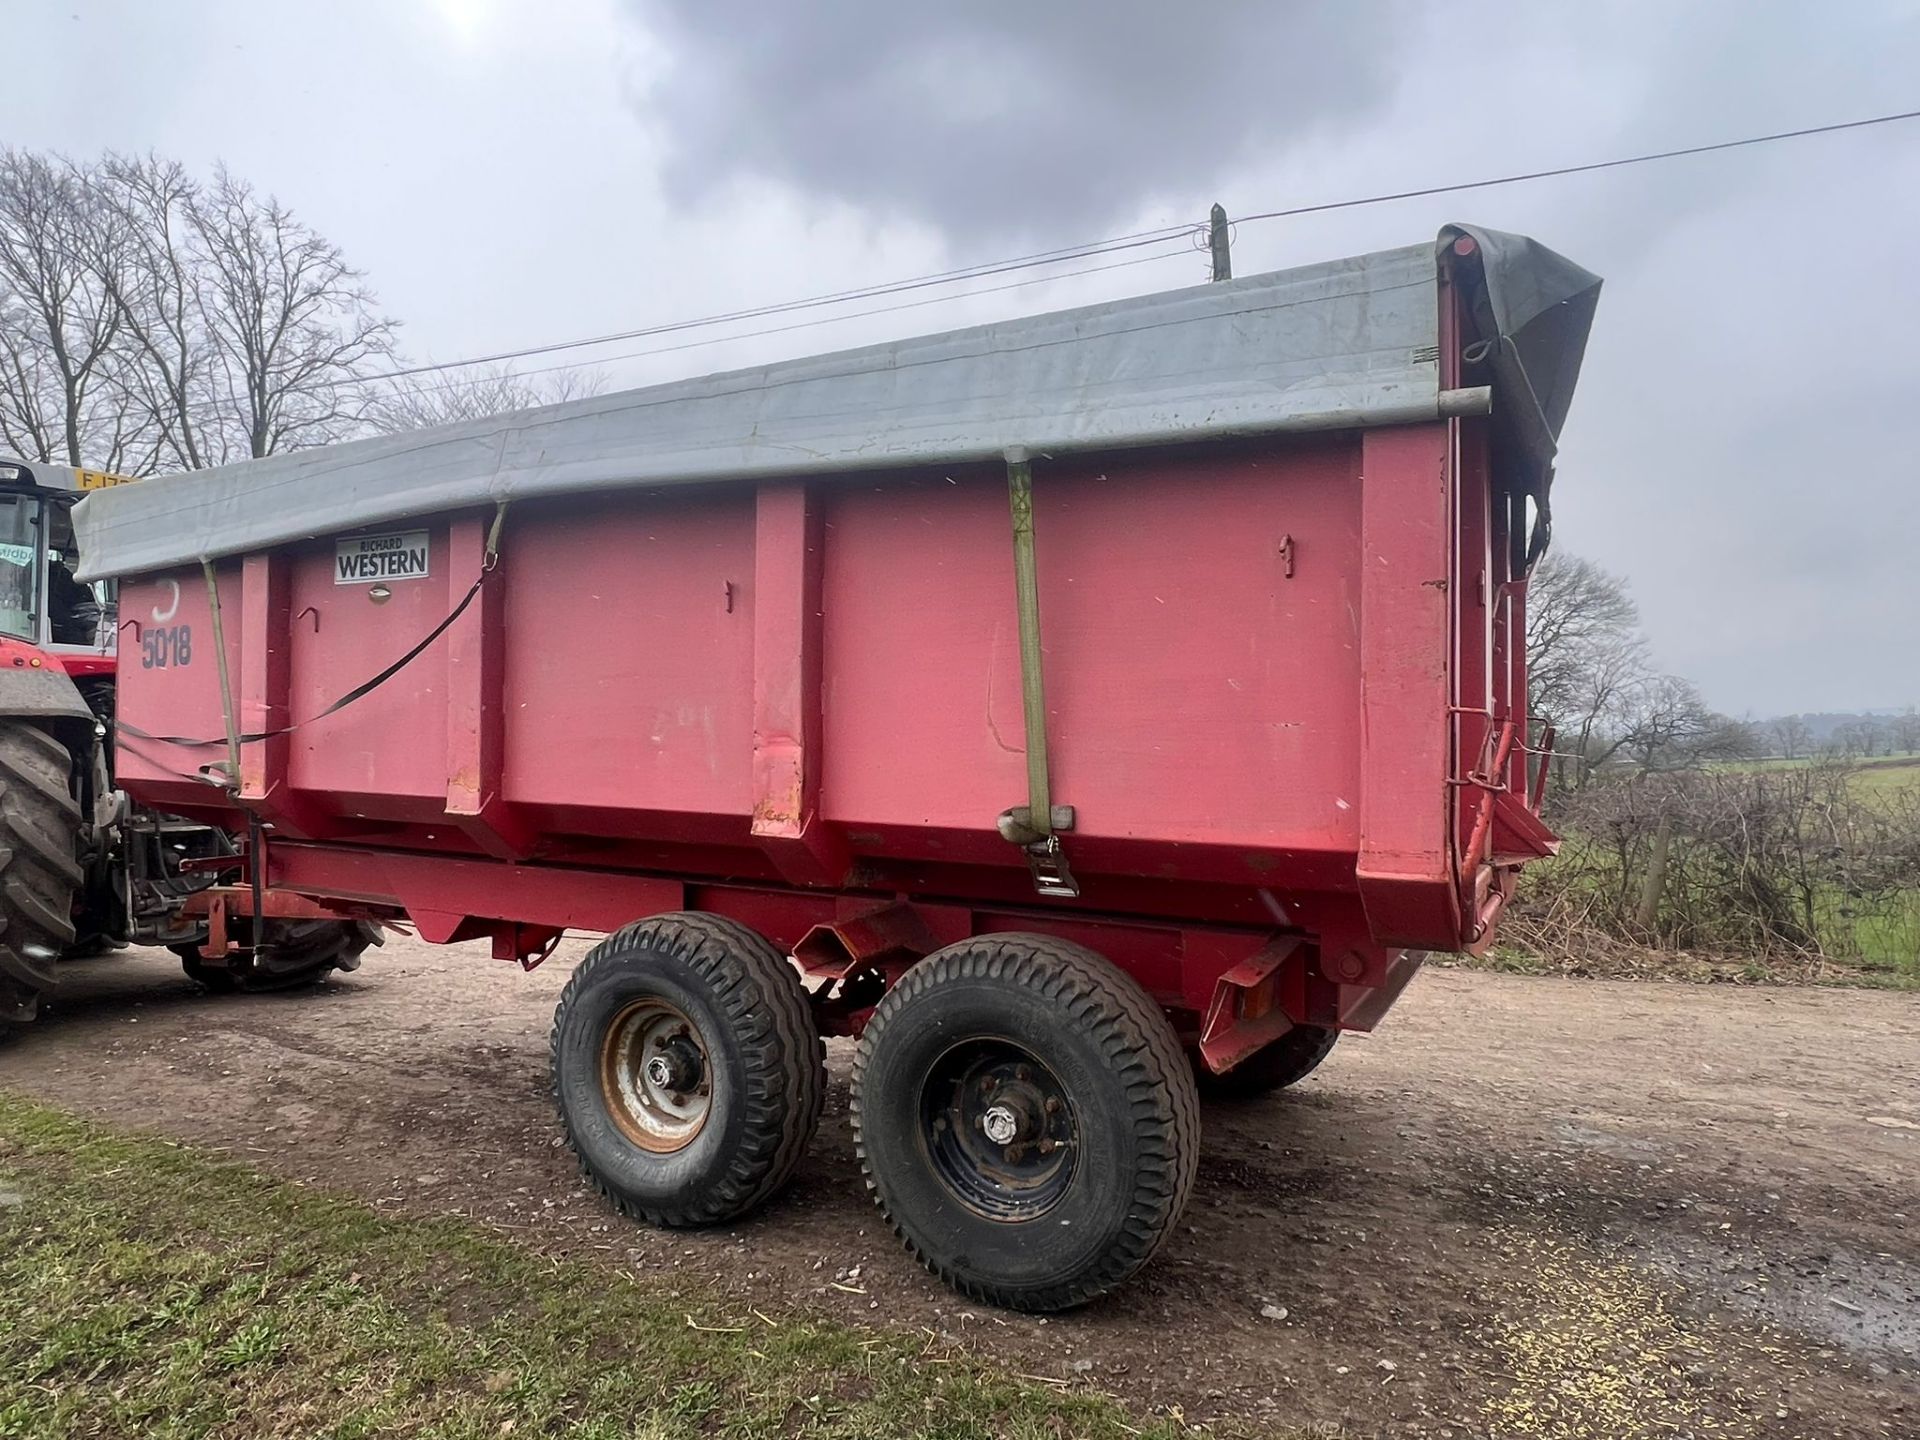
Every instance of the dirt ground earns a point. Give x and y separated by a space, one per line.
1525 1207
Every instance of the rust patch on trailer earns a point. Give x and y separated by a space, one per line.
779 807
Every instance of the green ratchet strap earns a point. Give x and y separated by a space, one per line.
1032 687
227 711
1033 826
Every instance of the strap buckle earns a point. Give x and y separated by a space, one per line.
1051 875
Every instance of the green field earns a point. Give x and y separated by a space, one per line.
150 1290
1881 773
1887 774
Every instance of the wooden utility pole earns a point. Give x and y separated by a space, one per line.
1217 243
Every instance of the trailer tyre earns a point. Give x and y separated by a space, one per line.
1286 1061
39 871
687 1069
1026 1120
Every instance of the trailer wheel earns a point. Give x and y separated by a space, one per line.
1283 1062
39 871
687 1069
298 953
1026 1120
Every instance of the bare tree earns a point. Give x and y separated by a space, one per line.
58 323
1903 730
1792 736
1585 660
1589 673
1655 724
1874 738
1847 741
292 327
144 255
1864 737
417 402
1602 701
1576 614
246 332
1666 726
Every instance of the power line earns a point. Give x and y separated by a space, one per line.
982 270
1582 169
1065 254
820 320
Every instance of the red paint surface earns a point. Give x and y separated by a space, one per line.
631 685
1169 634
82 666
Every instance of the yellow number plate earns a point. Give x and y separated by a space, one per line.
100 479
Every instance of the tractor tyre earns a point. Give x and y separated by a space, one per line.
298 953
1280 1063
1025 1120
100 914
687 1069
39 871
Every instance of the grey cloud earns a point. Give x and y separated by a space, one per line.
997 117
1738 447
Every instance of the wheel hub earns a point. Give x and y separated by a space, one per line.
1000 1124
654 1076
998 1129
676 1067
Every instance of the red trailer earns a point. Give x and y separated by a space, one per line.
1063 707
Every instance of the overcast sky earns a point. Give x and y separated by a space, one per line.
510 173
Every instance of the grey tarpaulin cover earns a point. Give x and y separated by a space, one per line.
1343 343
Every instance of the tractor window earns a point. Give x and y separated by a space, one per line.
20 566
74 610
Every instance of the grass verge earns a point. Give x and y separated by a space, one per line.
149 1289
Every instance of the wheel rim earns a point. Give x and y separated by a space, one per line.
655 1077
998 1129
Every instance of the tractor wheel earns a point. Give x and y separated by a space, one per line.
39 873
100 916
687 1069
1026 1120
297 953
1276 1065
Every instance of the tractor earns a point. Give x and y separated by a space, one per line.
82 870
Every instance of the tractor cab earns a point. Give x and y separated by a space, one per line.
40 600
